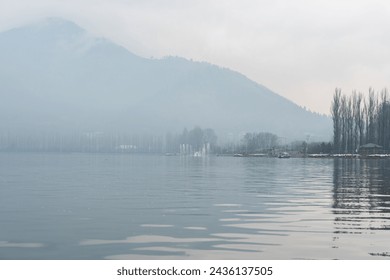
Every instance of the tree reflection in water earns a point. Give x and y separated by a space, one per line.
361 200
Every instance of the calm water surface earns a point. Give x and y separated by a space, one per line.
110 206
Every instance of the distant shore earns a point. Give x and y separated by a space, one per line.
299 155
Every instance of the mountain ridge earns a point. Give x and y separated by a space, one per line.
56 71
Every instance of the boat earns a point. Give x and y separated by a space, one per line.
284 155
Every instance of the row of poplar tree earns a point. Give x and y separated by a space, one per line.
359 120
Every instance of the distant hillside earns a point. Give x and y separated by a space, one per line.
55 77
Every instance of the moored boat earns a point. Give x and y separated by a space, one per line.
284 155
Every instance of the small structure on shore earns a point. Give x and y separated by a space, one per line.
370 149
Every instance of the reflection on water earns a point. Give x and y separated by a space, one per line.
154 207
361 204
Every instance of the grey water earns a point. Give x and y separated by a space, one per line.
122 206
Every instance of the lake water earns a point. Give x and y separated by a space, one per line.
116 206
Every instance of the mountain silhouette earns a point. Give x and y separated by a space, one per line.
56 77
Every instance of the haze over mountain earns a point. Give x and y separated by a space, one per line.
55 77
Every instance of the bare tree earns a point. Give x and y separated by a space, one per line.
358 121
383 116
336 116
371 108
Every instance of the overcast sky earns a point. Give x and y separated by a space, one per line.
300 49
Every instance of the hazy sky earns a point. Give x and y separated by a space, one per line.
299 49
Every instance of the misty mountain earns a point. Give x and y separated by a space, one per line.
55 77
